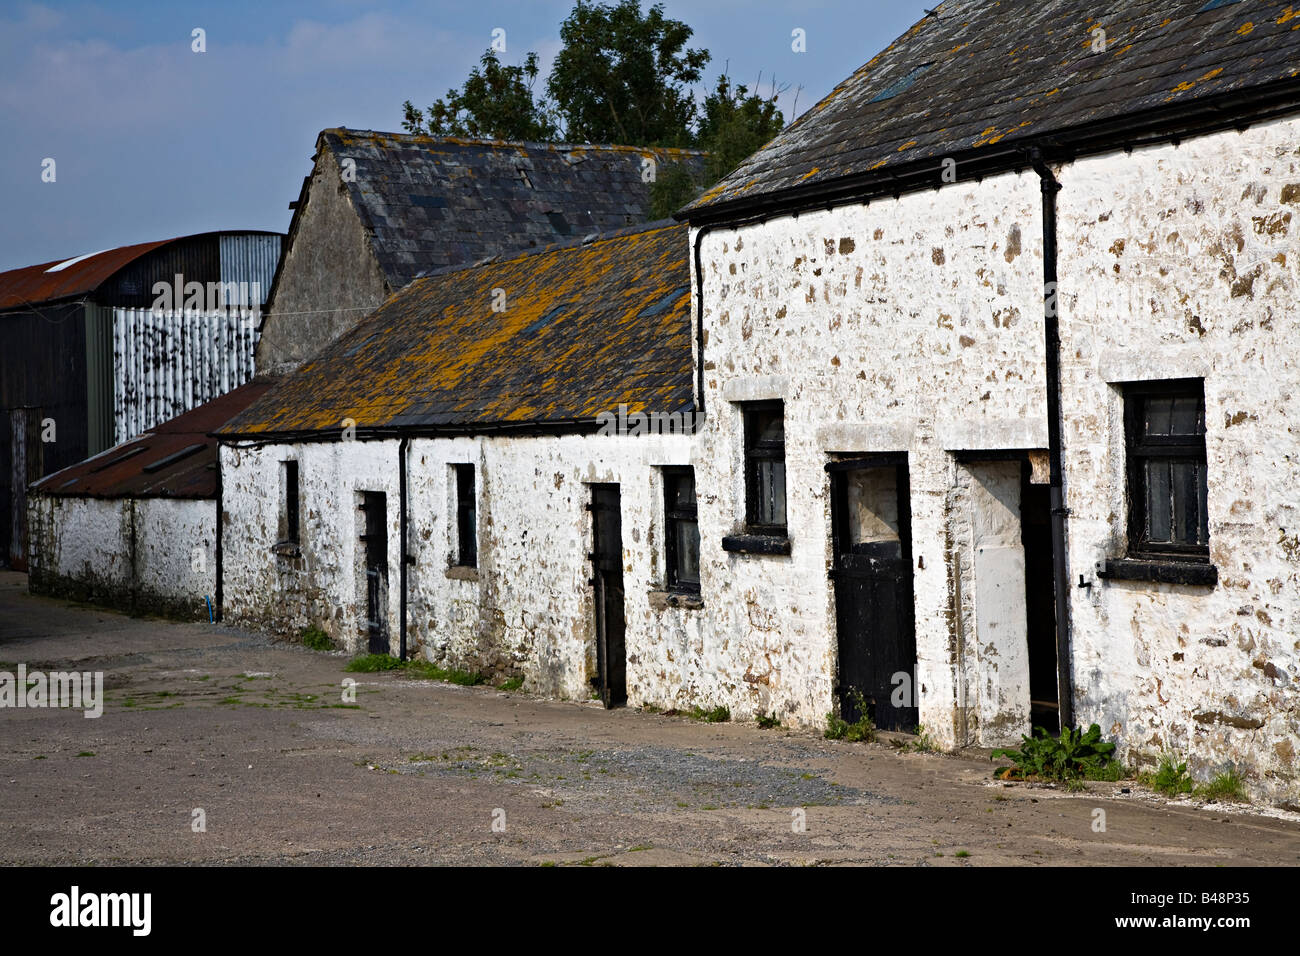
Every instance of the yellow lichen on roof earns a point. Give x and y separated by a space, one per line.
908 145
574 338
1288 14
812 172
1245 28
1186 85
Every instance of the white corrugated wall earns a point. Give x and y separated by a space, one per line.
167 362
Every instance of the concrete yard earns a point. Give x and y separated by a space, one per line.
255 734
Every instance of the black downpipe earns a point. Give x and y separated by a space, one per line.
1052 341
216 611
401 534
699 326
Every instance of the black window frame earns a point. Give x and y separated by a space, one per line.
757 452
1142 449
466 516
675 515
292 503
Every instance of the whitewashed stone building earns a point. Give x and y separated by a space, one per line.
485 424
992 363
890 275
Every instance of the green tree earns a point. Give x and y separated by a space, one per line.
496 102
623 76
734 123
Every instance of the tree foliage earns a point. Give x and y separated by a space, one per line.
495 102
623 76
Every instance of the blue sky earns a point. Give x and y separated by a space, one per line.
152 140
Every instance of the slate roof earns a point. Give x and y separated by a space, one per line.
433 202
586 327
176 459
977 74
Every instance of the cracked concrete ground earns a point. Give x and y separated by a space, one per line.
257 735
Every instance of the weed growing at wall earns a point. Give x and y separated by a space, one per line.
1170 777
315 639
421 670
1074 755
1227 787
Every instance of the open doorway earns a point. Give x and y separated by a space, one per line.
1040 603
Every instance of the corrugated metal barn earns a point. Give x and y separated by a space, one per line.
91 360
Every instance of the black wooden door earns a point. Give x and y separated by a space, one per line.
607 580
375 506
872 575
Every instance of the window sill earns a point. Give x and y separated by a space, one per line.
687 600
462 572
756 544
286 549
1196 573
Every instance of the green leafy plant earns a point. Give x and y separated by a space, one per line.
1170 777
511 683
315 639
1073 755
861 730
768 721
713 715
1226 787
423 670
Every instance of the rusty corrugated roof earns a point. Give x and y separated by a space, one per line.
32 285
585 328
973 74
177 459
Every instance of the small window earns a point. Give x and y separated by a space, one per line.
1167 483
682 529
765 467
290 502
466 522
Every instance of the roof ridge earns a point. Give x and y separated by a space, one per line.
425 138
591 239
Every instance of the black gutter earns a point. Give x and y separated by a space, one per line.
569 426
216 613
404 558
1052 358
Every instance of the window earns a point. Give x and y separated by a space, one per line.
1167 485
466 523
290 502
765 467
683 530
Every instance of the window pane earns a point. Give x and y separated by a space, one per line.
688 552
1158 505
767 426
1204 504
1187 416
771 492
1159 411
1191 523
872 505
681 492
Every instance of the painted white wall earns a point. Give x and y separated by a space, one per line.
904 325
155 552
528 610
1181 261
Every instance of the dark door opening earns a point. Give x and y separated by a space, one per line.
26 461
607 580
1040 604
375 506
871 529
